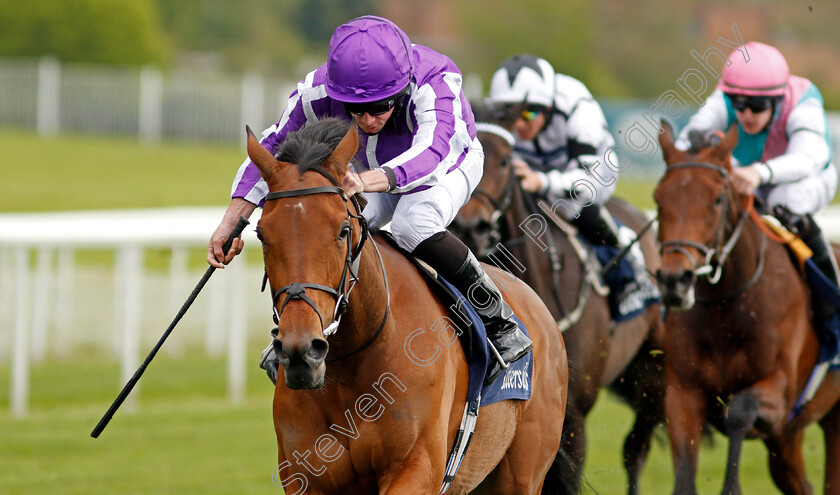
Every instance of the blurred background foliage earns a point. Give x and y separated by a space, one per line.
619 49
96 31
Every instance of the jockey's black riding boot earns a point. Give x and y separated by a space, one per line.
597 226
442 251
824 259
823 256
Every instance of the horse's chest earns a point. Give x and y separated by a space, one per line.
723 353
338 444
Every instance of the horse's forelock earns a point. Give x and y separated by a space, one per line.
698 139
311 146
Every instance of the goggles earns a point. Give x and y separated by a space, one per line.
376 108
756 104
532 112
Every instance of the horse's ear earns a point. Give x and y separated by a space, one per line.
345 151
723 149
260 156
666 142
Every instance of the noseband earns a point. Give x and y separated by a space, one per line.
297 290
715 256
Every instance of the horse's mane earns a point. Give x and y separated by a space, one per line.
482 111
310 146
494 114
698 140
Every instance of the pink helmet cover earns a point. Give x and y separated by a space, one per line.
766 72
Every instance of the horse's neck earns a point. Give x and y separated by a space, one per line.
523 247
533 254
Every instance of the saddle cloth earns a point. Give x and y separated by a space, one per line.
828 331
511 383
631 289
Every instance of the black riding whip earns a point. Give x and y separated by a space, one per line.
237 230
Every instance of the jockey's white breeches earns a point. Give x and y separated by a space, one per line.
808 195
417 216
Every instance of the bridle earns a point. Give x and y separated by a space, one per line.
349 275
716 255
499 206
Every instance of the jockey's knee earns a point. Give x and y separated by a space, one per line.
797 199
410 232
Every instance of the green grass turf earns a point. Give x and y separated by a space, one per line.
611 420
86 172
186 438
101 173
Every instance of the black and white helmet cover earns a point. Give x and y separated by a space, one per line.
524 78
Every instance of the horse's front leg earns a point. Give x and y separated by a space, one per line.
636 448
417 474
773 401
741 413
762 406
787 464
685 410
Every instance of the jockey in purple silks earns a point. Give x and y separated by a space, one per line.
418 159
784 151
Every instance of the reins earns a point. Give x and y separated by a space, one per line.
349 276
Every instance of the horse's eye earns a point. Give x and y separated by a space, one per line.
259 235
344 231
506 161
719 201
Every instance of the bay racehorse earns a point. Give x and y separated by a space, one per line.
376 406
498 224
742 346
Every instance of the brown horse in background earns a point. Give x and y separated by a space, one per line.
624 355
378 407
740 352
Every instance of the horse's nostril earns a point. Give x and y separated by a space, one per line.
279 351
318 350
482 228
675 281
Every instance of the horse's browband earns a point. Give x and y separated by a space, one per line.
496 130
309 190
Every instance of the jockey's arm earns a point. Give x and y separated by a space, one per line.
376 180
807 151
249 189
576 183
440 136
586 175
215 255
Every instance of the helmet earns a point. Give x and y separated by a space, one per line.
766 72
369 59
523 78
